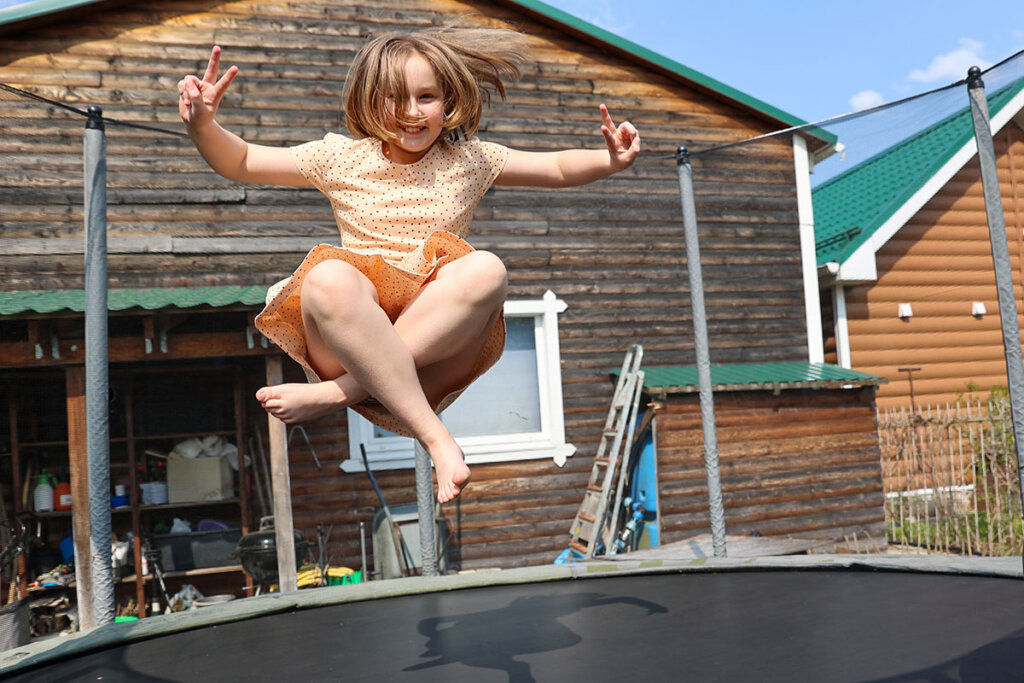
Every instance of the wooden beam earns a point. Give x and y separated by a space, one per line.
122 349
77 458
281 483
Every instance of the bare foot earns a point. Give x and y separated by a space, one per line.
293 403
452 473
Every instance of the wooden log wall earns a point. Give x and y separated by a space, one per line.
940 262
614 250
802 463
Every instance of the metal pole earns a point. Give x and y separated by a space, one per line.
700 333
97 386
425 510
1000 261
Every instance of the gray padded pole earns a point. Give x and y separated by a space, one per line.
1000 260
425 510
700 334
97 387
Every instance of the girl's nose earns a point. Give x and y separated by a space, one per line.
413 107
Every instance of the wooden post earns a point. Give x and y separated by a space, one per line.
281 483
78 461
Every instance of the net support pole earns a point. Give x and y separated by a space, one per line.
1000 261
281 484
700 334
97 385
425 510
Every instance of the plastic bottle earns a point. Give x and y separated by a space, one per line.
42 494
62 494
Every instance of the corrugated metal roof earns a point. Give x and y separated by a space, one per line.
54 300
755 377
849 208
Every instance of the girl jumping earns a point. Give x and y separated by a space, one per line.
404 315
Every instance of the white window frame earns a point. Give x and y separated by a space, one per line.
396 452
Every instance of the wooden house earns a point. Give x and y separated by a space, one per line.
903 239
593 269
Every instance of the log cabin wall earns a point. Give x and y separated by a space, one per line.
940 263
798 463
614 251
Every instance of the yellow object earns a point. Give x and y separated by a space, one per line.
309 576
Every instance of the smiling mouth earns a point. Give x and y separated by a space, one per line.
418 129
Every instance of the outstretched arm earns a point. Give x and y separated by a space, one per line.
574 166
228 154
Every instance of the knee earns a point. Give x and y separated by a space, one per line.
332 282
485 276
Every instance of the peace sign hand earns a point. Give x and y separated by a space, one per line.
198 99
623 141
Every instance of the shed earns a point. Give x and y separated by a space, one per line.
797 448
903 247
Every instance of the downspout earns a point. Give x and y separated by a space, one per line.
842 326
808 256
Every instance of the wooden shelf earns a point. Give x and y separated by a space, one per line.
132 578
205 571
190 504
185 435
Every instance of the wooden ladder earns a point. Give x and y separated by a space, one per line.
590 530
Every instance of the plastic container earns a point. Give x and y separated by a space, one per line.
62 495
197 550
42 494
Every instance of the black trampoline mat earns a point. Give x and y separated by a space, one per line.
837 625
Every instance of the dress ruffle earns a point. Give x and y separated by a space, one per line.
397 280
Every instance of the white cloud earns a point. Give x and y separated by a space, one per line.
601 13
866 99
953 65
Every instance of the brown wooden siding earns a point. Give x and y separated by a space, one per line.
804 463
940 262
614 250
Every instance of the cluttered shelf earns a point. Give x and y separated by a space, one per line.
132 578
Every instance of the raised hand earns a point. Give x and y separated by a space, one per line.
623 140
198 99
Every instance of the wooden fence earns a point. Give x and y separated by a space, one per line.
950 477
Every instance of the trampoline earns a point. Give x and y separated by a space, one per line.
820 618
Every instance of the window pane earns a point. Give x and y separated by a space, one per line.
506 399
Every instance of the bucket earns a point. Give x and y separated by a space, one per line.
154 493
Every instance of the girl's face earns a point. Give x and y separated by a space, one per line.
424 102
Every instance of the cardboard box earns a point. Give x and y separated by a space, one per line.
199 479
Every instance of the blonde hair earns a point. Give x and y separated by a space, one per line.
469 64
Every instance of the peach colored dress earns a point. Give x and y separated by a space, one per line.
399 224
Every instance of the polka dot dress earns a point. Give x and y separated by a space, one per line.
399 223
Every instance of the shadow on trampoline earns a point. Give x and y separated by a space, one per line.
529 625
998 662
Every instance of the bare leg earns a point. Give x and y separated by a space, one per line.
443 337
450 317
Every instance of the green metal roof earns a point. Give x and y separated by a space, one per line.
39 8
755 377
54 300
849 208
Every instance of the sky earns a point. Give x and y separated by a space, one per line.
818 60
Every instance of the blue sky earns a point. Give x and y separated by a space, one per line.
815 60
